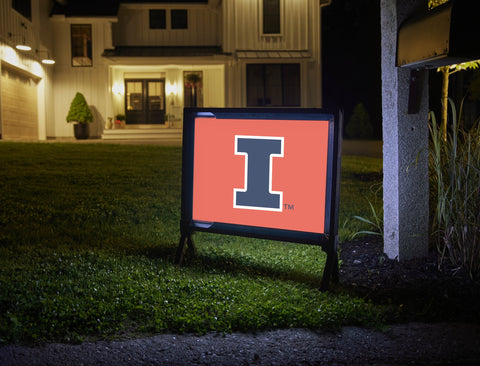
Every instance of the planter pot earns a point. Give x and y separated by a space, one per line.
81 131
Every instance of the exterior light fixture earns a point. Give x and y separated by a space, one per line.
47 60
21 45
118 89
172 88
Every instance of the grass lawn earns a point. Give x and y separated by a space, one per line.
88 234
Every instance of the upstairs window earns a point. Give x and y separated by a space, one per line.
271 17
158 19
179 19
81 39
24 7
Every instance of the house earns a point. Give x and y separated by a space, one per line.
147 60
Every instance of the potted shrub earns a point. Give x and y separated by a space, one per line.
120 121
80 115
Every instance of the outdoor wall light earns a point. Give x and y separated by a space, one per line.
118 89
172 88
21 43
23 47
47 60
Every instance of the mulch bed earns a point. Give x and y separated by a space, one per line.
425 292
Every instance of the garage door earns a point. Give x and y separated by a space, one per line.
19 118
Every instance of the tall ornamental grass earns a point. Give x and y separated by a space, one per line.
455 168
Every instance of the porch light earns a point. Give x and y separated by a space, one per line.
172 88
118 88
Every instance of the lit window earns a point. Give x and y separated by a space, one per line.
81 44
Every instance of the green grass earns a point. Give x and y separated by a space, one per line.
88 234
361 185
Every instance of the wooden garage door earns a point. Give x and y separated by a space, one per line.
19 106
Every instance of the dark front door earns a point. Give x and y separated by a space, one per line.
145 101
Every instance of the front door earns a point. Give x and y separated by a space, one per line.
145 101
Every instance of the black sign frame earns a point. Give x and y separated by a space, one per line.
327 240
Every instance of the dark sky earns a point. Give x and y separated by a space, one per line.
351 57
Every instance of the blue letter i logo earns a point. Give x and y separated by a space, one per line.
257 193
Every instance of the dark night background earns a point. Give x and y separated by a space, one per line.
351 66
351 58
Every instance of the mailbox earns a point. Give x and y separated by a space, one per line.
446 35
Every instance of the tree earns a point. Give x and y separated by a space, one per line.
359 125
434 3
446 72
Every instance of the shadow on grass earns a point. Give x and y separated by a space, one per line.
214 262
208 262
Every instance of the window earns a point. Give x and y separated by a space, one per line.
271 17
81 44
179 19
273 85
158 19
24 7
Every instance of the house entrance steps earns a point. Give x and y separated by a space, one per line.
143 132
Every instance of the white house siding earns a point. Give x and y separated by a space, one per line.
36 33
234 25
91 81
204 29
133 29
243 32
213 84
299 42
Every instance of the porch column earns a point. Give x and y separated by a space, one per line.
405 138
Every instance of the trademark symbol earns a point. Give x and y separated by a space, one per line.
288 206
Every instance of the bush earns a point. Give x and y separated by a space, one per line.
455 178
359 125
79 110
